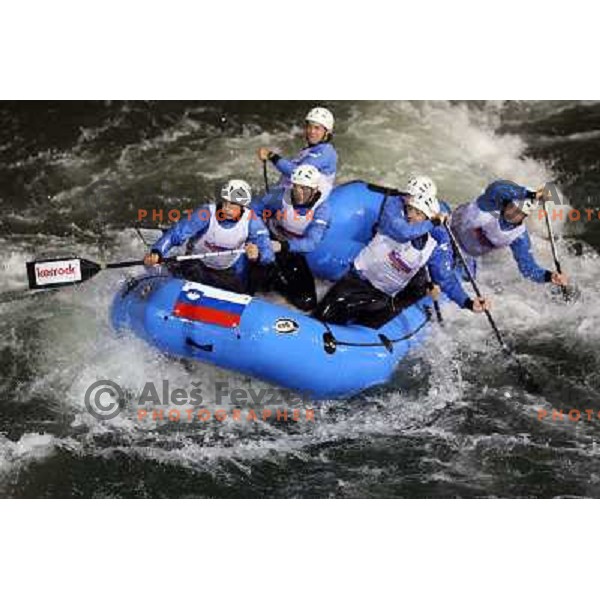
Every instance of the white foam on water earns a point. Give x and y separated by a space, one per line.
29 448
13 274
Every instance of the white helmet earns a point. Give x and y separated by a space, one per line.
422 195
306 175
237 191
321 116
420 183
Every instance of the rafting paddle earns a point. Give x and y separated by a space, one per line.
524 376
565 291
265 175
58 272
436 302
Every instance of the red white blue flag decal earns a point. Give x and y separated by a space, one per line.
197 302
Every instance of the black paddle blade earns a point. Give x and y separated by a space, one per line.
527 380
59 272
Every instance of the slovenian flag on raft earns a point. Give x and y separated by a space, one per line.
197 302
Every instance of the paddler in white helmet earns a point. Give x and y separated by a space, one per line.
318 152
212 228
297 218
496 219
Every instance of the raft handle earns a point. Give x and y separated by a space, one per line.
381 189
389 346
329 342
204 347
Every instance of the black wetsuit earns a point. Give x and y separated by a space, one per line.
290 276
354 300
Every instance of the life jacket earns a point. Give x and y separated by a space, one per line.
479 232
389 265
327 173
217 238
289 221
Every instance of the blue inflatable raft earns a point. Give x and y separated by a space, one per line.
272 342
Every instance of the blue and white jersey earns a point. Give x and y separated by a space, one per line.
207 233
439 256
323 156
479 228
302 227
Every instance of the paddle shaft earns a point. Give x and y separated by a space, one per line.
137 230
265 175
555 253
59 272
436 304
524 376
476 288
173 259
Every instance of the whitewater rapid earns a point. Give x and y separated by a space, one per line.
55 346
